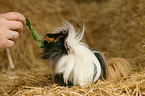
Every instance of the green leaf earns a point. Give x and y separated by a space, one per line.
34 34
41 44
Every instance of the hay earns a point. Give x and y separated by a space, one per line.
112 26
40 82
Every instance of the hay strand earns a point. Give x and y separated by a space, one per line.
10 58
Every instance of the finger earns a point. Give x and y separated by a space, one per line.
15 25
10 43
15 16
5 43
1 49
9 34
14 35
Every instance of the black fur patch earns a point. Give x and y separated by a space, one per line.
59 79
101 59
54 45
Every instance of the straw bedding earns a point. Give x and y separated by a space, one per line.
112 26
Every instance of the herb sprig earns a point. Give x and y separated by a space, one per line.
34 34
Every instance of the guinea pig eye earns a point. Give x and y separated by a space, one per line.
58 42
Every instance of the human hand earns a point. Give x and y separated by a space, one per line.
11 24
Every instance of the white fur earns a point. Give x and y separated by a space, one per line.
78 65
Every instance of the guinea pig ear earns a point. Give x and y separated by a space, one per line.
59 29
64 31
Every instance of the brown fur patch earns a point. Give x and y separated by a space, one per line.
118 68
59 37
48 39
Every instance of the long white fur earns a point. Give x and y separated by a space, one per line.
78 65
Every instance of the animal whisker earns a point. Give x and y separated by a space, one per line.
54 54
